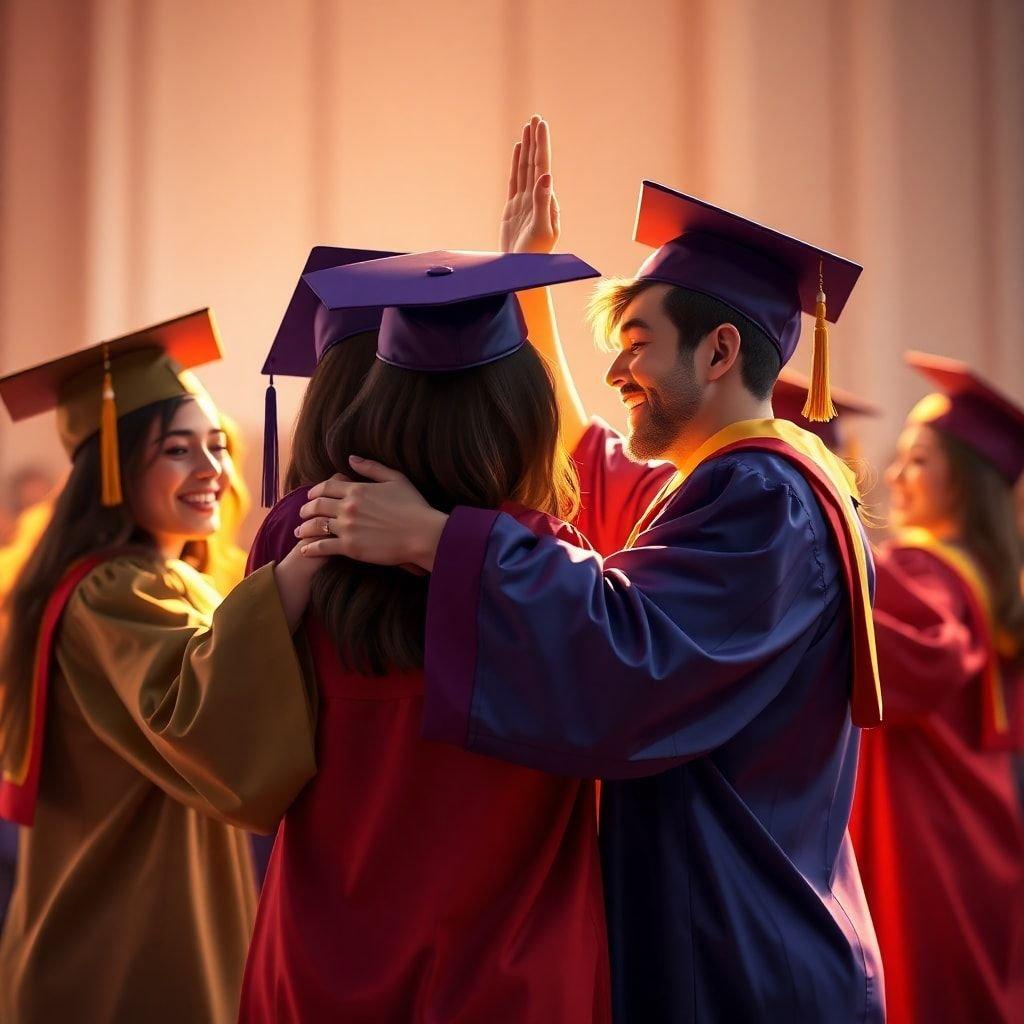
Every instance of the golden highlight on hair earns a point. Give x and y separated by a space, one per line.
608 305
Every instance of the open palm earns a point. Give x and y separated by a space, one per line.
530 220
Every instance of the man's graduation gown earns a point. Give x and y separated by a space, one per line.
705 674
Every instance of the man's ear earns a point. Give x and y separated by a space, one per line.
722 350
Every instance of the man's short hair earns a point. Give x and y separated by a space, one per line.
695 315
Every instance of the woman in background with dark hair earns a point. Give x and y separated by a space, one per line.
411 880
132 700
937 825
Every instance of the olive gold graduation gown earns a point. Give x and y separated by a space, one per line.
169 721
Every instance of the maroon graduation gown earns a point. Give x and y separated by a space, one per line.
936 823
415 881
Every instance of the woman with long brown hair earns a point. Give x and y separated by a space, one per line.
937 825
141 717
413 881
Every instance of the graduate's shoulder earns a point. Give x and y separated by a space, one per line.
139 584
764 491
276 535
749 471
900 561
545 525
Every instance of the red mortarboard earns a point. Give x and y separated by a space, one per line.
972 411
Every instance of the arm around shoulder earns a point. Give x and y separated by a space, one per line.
215 709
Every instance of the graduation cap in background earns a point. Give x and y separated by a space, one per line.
93 387
973 411
768 277
790 396
307 332
446 310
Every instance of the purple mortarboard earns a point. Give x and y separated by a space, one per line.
790 396
972 411
446 310
308 331
764 275
296 350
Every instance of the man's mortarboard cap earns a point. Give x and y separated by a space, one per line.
972 411
766 276
93 387
790 396
446 310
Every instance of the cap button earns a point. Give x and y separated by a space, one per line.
439 271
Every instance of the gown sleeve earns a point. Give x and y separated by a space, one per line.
615 491
543 654
215 710
926 649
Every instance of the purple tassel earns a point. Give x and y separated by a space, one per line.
271 459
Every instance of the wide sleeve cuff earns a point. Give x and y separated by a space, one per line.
451 629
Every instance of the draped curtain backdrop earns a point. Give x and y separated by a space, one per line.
162 155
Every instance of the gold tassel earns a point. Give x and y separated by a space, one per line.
818 407
110 459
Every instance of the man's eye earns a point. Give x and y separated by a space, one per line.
636 346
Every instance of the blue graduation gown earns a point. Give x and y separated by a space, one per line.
705 674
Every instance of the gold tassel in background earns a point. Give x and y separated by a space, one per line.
819 407
110 460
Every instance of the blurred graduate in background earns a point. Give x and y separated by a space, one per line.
937 823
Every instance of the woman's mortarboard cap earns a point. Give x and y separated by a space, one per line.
93 387
446 310
973 411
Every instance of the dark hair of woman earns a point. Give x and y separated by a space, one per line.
332 387
989 532
475 437
79 526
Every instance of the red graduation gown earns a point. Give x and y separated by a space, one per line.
936 822
615 491
416 881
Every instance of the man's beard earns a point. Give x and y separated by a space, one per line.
671 405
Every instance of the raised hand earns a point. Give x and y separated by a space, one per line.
530 220
386 522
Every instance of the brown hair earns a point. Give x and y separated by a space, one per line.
334 384
79 525
694 315
475 437
989 531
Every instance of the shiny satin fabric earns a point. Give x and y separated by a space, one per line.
704 675
134 898
937 823
413 881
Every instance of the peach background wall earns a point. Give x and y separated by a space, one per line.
161 155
